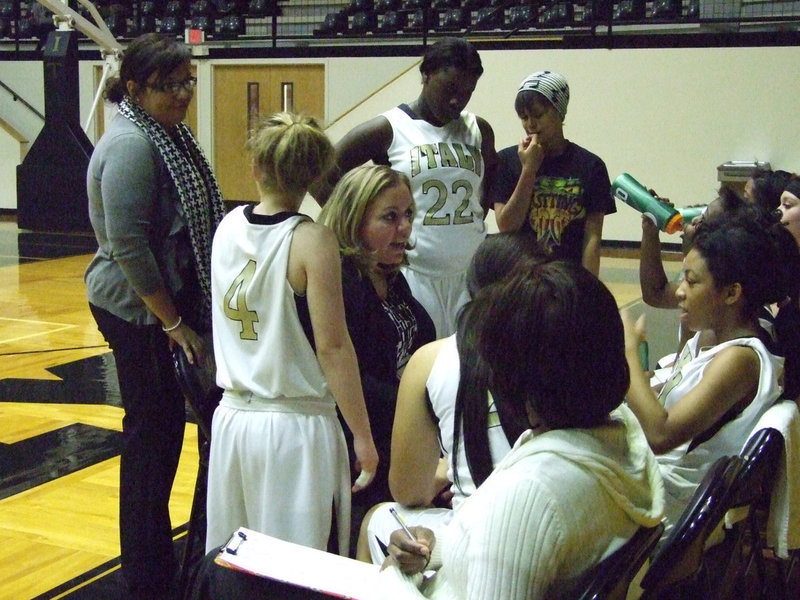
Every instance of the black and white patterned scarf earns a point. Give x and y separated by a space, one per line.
197 187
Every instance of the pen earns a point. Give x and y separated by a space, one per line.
402 524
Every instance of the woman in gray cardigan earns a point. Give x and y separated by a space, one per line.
154 205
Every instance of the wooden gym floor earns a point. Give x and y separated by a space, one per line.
60 420
60 423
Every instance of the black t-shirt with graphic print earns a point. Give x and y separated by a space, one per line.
568 187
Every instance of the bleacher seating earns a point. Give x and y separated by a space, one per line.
456 19
422 20
666 9
522 16
298 19
630 10
488 17
364 21
392 21
559 14
334 23
231 26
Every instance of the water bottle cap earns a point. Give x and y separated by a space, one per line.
674 224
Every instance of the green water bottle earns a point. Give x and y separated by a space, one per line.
644 355
690 212
634 194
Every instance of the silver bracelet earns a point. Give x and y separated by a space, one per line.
174 327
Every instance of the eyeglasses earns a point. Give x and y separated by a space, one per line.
173 87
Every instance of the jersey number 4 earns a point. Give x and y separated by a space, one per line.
235 304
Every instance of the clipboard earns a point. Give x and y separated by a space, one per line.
329 575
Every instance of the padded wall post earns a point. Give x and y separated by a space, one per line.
51 181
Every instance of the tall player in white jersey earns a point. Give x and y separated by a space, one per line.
448 155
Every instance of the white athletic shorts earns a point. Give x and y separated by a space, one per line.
442 297
278 469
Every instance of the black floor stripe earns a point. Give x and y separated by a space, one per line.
87 381
54 245
21 246
43 458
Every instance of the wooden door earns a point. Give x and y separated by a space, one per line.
241 94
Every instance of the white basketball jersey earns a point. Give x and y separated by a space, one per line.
683 470
259 343
442 386
446 169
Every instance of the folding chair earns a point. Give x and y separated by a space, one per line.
742 553
198 388
202 396
677 568
770 458
611 578
761 458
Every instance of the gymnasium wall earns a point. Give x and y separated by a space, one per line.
669 117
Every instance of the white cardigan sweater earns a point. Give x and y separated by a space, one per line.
556 505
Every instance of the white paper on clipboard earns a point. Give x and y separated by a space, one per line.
266 556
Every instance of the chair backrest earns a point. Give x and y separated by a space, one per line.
752 488
199 389
610 579
761 458
680 557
